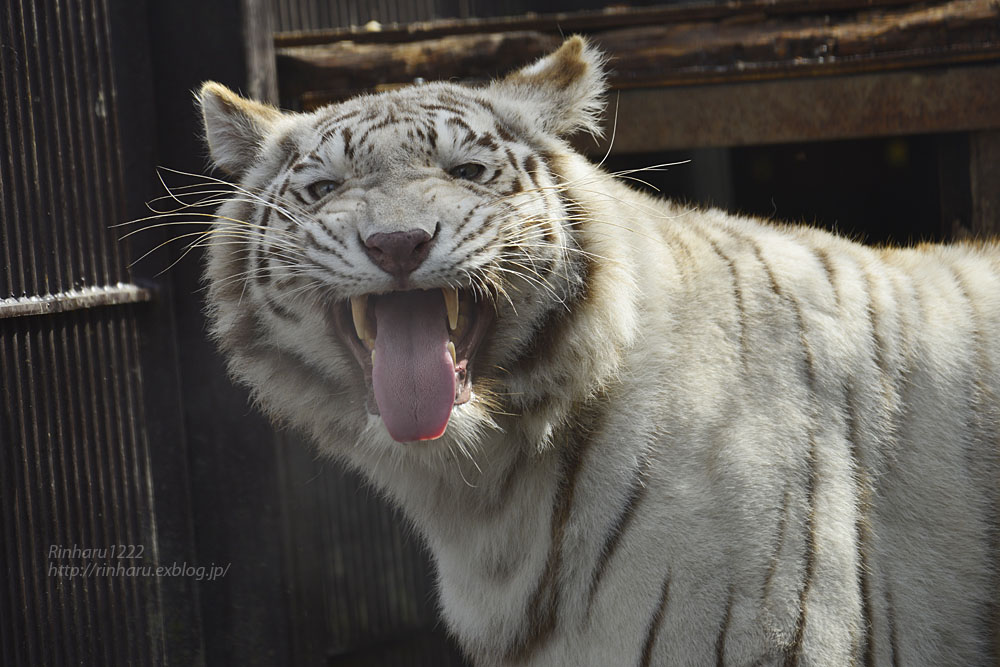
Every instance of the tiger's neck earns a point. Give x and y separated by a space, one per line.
491 537
499 530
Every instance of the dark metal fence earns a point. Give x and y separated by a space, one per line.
75 465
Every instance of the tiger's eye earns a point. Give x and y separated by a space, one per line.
469 171
320 189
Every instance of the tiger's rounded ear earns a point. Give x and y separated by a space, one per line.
564 91
235 127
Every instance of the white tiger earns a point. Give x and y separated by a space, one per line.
630 433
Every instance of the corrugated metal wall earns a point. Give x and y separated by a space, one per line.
60 167
74 476
74 469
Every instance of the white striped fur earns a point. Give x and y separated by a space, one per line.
695 438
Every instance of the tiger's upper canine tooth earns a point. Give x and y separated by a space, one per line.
451 303
359 310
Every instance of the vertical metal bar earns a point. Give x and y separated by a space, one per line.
125 516
58 214
113 186
41 120
86 134
94 101
29 141
106 634
141 479
325 14
354 12
7 192
15 597
45 451
63 443
82 497
105 460
24 510
281 14
15 130
76 203
311 13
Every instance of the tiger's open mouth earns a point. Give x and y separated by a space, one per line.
416 349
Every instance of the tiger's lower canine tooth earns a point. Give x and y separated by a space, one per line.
359 310
454 356
451 303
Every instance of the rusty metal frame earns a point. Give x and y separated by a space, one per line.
575 21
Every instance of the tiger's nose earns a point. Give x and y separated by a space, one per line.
399 253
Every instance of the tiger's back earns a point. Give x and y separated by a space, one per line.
678 436
832 425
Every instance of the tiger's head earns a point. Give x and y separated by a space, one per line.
396 265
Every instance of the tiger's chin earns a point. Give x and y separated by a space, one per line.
417 350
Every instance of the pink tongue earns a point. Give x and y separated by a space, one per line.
413 375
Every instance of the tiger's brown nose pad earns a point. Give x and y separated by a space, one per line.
399 253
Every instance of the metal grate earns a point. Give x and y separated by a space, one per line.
74 473
74 458
60 173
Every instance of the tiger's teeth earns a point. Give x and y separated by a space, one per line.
451 348
359 310
373 357
451 303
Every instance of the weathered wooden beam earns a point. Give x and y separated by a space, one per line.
672 54
807 109
577 21
317 75
708 52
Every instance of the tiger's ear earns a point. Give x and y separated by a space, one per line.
235 127
563 91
